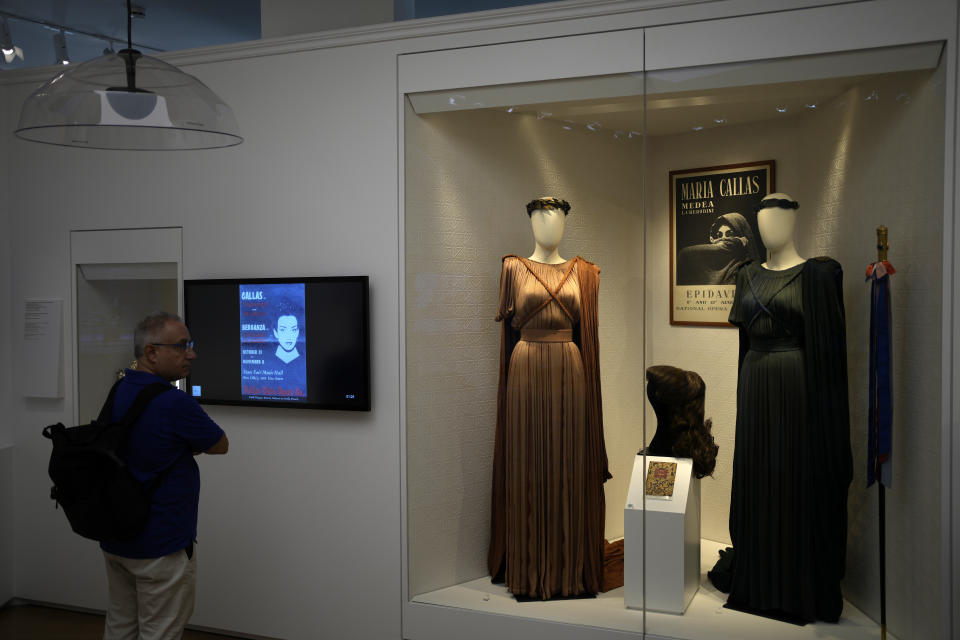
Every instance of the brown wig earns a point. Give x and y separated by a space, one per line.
677 398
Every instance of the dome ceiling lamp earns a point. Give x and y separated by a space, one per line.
127 101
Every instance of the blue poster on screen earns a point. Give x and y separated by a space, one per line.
273 342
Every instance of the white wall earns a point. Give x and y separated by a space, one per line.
6 423
299 523
7 514
292 17
7 524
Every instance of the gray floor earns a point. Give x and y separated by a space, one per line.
33 622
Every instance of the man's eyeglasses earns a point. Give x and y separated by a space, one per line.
179 346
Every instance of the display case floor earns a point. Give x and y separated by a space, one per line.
704 618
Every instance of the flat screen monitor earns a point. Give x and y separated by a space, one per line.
280 342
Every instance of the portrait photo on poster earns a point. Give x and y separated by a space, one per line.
713 230
273 342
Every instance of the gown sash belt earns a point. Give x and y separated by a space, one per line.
787 343
546 335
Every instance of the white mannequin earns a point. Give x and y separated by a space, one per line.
776 230
548 225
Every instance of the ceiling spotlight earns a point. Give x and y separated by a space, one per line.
16 52
60 48
781 109
6 42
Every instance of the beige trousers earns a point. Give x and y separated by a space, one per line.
150 598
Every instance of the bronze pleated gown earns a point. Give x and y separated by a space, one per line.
550 462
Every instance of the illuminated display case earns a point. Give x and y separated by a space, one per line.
856 135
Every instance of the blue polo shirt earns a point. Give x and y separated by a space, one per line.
172 427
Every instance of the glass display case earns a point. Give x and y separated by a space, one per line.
664 170
118 277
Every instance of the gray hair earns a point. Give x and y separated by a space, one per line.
148 329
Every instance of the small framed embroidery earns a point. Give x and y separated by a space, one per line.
661 476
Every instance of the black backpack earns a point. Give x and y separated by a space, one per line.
91 481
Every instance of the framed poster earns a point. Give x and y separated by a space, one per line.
713 230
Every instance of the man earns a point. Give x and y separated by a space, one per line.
151 579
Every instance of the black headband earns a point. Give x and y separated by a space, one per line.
548 203
767 203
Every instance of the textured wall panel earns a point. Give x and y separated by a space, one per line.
468 179
874 156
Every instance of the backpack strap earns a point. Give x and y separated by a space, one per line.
106 410
145 397
140 403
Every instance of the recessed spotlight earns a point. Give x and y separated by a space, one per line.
781 109
60 47
698 128
811 106
720 120
6 42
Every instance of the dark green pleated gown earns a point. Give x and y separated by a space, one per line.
792 462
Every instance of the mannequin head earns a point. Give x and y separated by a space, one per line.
548 217
777 220
548 225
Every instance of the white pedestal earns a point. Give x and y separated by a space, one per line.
672 536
